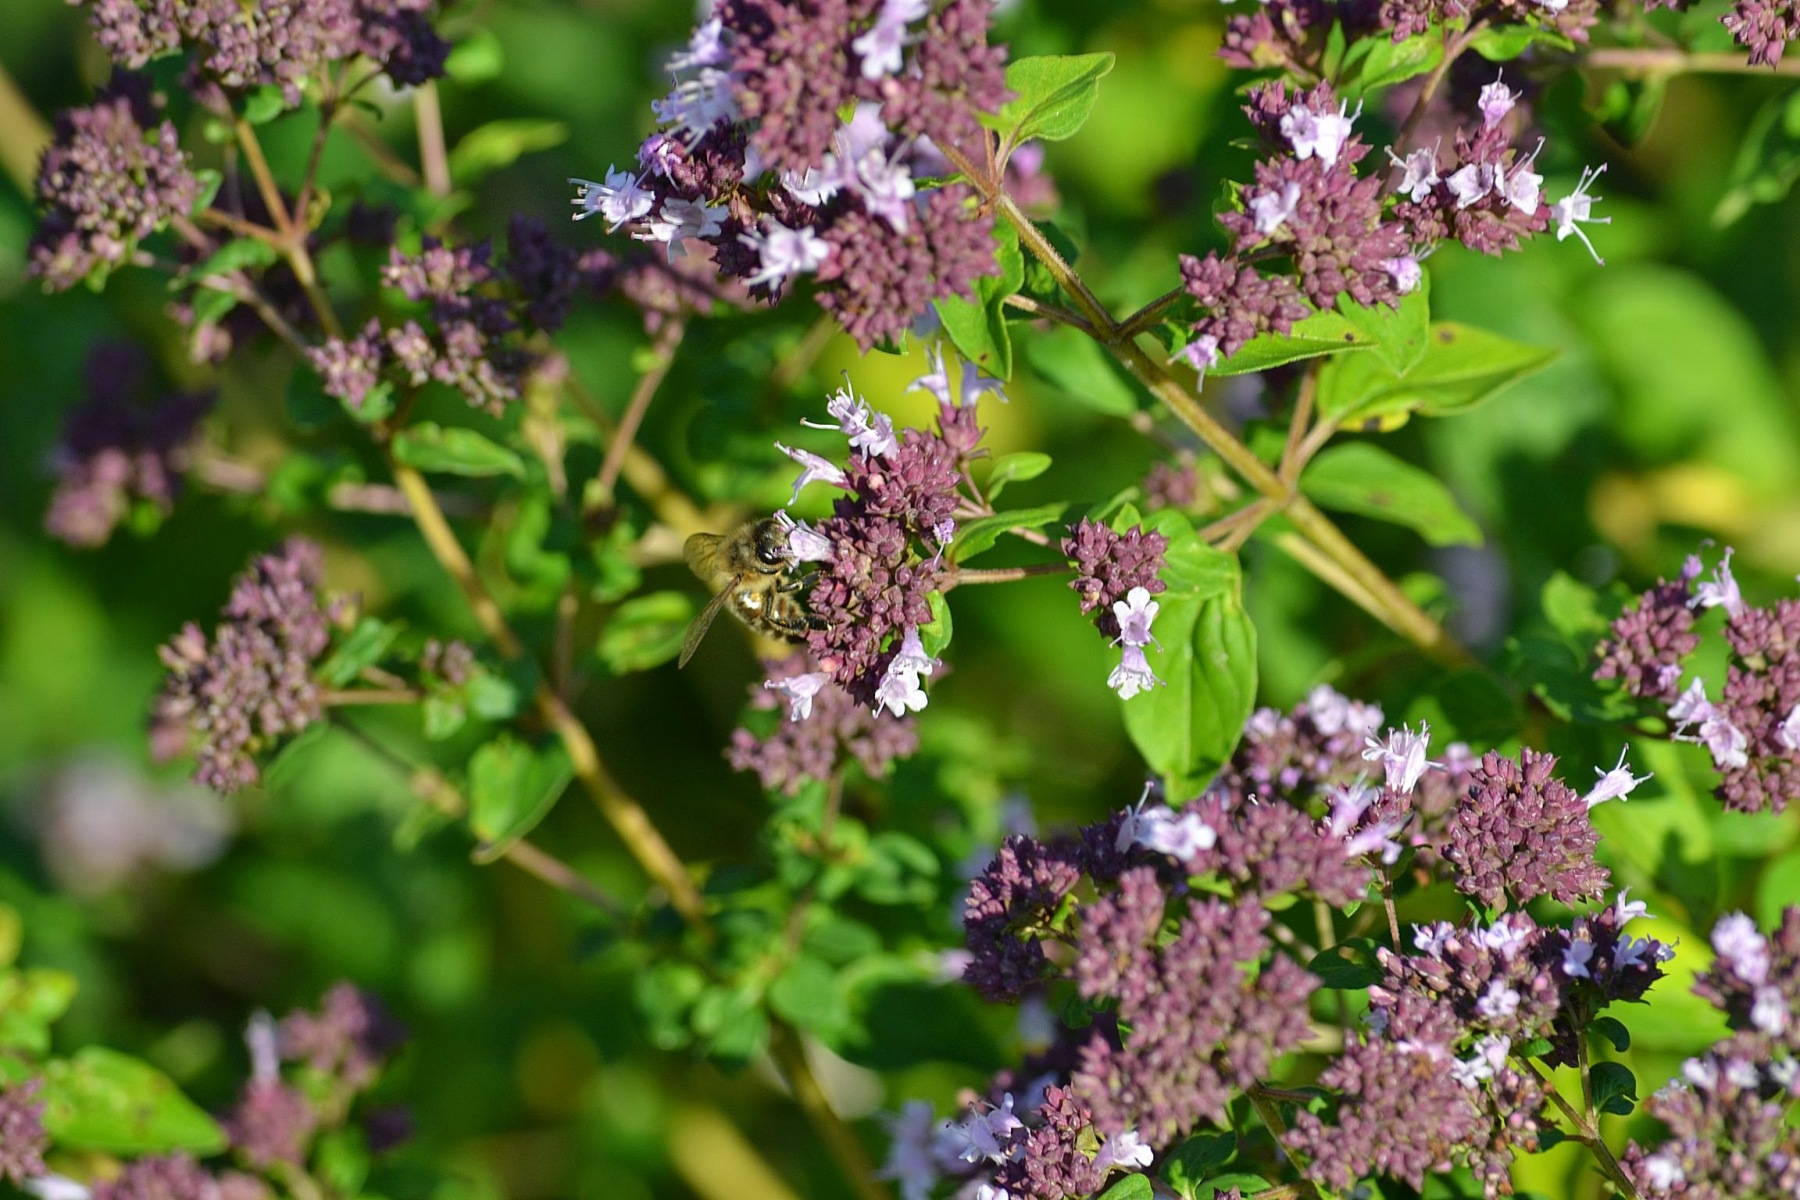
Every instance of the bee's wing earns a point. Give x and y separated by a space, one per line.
697 631
702 553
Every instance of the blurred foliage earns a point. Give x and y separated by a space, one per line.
1667 416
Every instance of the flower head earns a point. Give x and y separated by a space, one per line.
1576 209
1615 784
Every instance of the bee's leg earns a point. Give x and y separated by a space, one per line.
789 585
793 621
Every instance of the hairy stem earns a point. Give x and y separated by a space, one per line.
1675 61
434 158
789 1054
663 357
964 575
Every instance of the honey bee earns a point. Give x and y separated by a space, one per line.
754 562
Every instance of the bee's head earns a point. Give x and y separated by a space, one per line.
771 544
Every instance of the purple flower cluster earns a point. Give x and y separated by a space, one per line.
1645 647
1345 235
1301 754
116 450
1755 982
348 1038
880 553
1171 485
1763 27
1521 833
252 683
1008 912
821 728
464 331
1108 565
1753 731
756 162
235 47
112 176
1728 1132
159 1177
22 1136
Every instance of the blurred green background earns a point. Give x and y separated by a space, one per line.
1670 416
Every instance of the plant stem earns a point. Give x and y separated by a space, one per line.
964 575
434 158
663 350
23 136
1291 461
1373 590
293 236
789 1054
1454 45
1053 312
1674 61
626 816
351 697
1586 1131
1146 317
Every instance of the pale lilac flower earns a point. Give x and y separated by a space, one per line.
1161 829
679 220
1736 940
1420 173
986 1132
1402 756
867 429
699 105
1615 784
1523 187
1663 1171
815 468
1641 952
1133 674
813 188
1503 938
800 690
1320 135
1488 1055
900 690
1271 209
1202 353
990 1191
262 1037
620 199
57 1187
1788 734
1332 713
1722 588
1405 271
1725 741
1471 182
1430 940
860 161
973 384
1626 911
910 1161
1576 958
1690 707
1134 614
706 48
1498 1002
1769 1011
804 543
1577 208
785 252
880 48
1495 101
1124 1150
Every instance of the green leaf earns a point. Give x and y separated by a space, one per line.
99 1099
1361 477
1389 62
1132 1187
978 535
235 255
341 1161
1536 1047
362 649
1188 727
666 992
1573 610
1052 96
308 407
1615 1087
977 327
1314 337
934 635
896 869
1243 1181
491 697
1188 1165
1777 889
1613 1030
1461 367
645 632
29 1001
264 104
808 995
1399 334
477 58
1503 43
1348 966
487 148
454 451
1026 464
511 788
1628 107
1079 368
210 180
1768 161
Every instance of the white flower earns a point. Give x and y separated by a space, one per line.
1318 135
880 48
1271 209
900 691
1522 187
1495 101
620 199
1133 674
804 543
1769 1011
1420 173
1663 1171
1430 940
1576 958
1123 1149
974 384
1470 182
1722 588
785 252
1576 209
1405 271
1202 353
1615 784
1499 1001
1162 829
867 429
800 690
910 1162
1691 706
1735 940
679 220
695 106
1627 911
1489 1055
705 48
52 1186
1134 614
1402 756
1789 732
815 468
